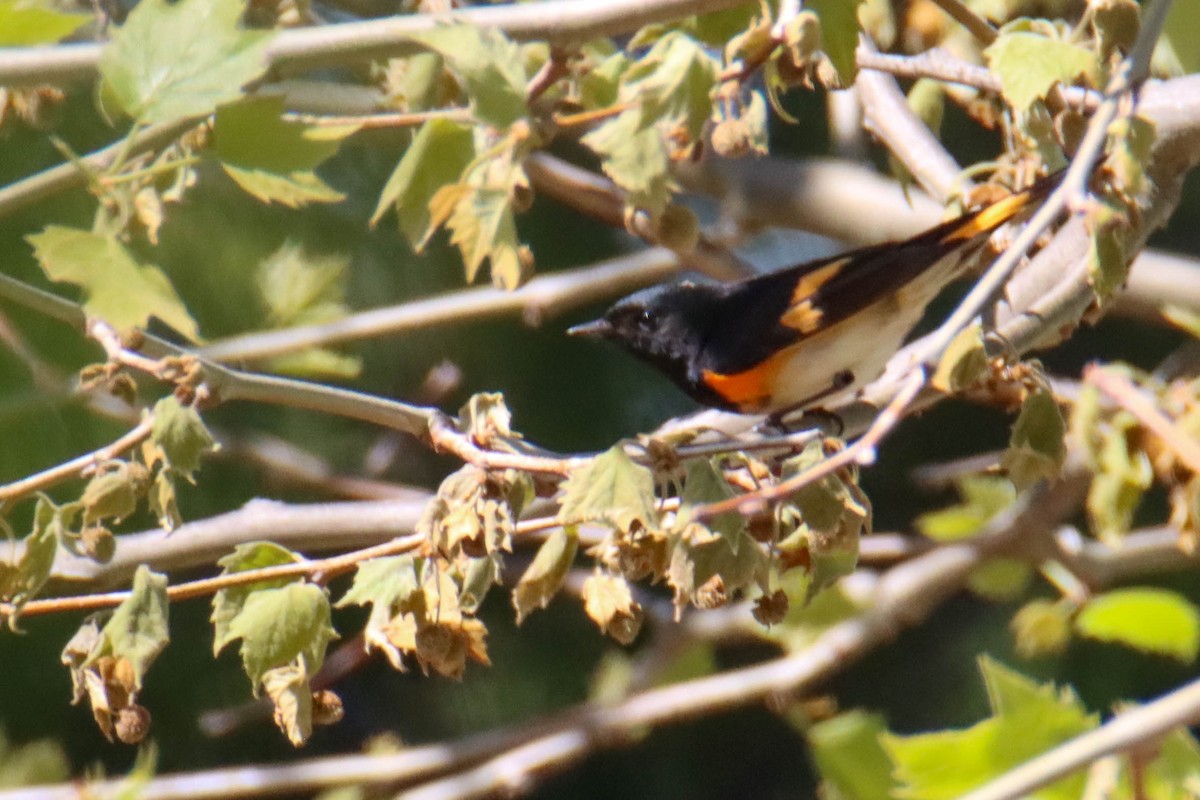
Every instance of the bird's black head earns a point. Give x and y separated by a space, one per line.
664 325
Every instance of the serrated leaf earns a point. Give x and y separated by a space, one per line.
171 61
673 82
635 157
253 133
610 487
489 65
299 288
282 624
437 157
839 34
482 226
228 603
23 24
1037 446
1027 720
383 582
1151 620
181 434
137 630
1029 65
849 756
1123 473
272 158
546 573
704 484
293 189
116 287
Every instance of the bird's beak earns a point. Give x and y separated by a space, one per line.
596 329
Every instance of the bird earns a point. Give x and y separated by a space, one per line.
808 335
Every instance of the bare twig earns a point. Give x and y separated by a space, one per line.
564 22
1129 397
76 466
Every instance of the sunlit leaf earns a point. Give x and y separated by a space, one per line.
175 60
489 65
1029 64
610 487
849 756
117 289
181 434
137 630
439 153
1151 620
839 34
23 24
228 603
1036 447
545 574
279 625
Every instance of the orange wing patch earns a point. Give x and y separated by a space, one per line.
804 317
807 286
750 390
989 218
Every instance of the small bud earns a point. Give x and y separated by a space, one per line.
678 229
327 708
133 723
98 543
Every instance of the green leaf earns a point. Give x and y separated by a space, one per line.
610 487
634 156
171 61
1029 65
851 760
1036 448
1028 719
1183 34
137 630
489 65
1108 261
1123 473
1151 620
272 158
482 226
22 582
228 603
437 157
279 625
181 434
383 582
704 484
546 573
23 24
982 498
1171 775
673 82
117 289
298 288
839 34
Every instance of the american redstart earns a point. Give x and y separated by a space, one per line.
809 334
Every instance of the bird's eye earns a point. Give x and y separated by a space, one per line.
649 318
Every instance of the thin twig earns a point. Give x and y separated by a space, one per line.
207 586
1129 397
76 466
1126 732
979 27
